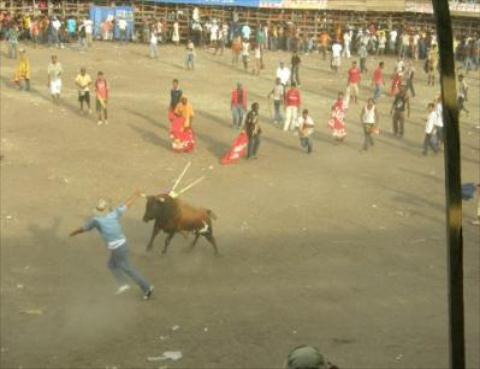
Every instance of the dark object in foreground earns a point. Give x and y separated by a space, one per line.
173 215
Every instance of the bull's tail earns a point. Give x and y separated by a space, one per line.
211 214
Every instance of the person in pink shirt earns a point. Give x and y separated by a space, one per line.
354 77
238 105
293 101
101 93
378 81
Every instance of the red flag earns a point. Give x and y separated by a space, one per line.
238 150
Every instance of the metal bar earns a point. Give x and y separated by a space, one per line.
452 185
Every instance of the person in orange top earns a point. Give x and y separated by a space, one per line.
325 40
101 93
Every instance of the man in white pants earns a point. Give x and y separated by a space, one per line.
347 40
55 78
293 101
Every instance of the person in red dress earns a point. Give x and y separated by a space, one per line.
181 132
337 118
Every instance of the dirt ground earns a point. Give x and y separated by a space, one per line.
340 249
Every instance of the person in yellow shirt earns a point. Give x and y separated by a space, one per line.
83 82
22 73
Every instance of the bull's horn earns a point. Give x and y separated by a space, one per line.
177 182
189 186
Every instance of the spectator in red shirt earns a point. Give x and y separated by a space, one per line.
293 101
354 77
101 93
238 105
378 81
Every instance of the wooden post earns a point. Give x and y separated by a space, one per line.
452 185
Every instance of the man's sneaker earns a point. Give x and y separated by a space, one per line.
99 123
148 293
106 122
122 289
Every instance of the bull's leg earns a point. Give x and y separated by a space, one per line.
197 235
213 242
156 229
209 236
167 241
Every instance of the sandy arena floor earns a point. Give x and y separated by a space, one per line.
340 249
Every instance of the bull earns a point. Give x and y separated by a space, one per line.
172 215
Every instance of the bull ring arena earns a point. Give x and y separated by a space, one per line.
336 225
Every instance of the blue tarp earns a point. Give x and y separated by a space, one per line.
98 14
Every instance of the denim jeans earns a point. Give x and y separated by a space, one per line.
428 142
12 50
296 74
278 116
120 267
237 116
189 61
253 145
410 87
306 142
367 131
377 92
153 51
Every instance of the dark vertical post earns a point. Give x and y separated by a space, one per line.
452 184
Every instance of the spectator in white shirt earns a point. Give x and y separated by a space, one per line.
439 121
336 55
283 73
153 44
347 38
392 45
123 28
88 24
429 140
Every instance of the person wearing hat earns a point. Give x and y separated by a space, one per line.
107 222
22 73
307 357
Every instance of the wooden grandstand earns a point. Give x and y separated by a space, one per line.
311 21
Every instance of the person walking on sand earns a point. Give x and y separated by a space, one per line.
55 71
305 130
253 130
101 93
369 119
293 101
238 105
337 118
430 134
278 94
107 222
190 58
400 104
83 82
22 72
378 81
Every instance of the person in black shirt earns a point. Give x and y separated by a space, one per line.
399 105
175 94
296 68
253 130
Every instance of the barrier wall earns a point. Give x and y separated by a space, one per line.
98 14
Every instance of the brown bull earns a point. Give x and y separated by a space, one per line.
173 215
